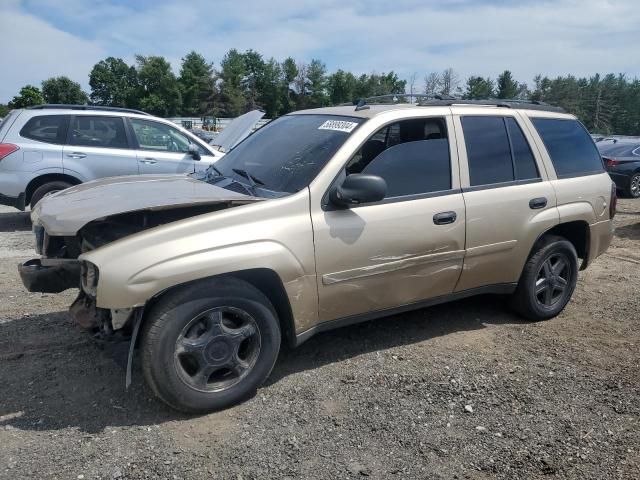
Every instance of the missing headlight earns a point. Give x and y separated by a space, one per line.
89 278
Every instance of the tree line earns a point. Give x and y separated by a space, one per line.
246 80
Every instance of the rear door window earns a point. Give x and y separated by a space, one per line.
570 147
497 151
47 128
98 131
488 150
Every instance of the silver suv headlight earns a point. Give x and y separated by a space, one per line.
89 278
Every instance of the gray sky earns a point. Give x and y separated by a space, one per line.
44 38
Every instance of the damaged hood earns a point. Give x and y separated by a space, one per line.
66 212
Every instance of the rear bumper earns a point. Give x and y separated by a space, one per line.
54 279
15 202
600 235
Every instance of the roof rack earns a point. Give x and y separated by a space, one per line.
101 108
496 102
393 98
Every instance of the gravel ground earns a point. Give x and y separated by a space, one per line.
464 390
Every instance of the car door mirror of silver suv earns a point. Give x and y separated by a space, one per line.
359 188
194 152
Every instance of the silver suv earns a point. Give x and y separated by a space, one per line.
48 148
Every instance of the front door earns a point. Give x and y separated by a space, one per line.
406 248
98 147
164 149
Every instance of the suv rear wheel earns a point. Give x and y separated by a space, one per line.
210 344
548 279
47 189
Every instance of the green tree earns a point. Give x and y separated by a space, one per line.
378 84
197 85
28 96
289 74
316 84
341 86
159 86
114 83
4 110
233 70
270 88
541 90
478 88
63 90
252 81
507 87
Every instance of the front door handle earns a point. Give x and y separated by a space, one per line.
537 203
444 218
149 161
76 155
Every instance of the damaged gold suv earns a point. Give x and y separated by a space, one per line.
321 219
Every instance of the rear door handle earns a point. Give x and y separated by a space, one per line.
76 155
444 218
537 203
149 161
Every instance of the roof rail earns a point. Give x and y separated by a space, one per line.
393 98
497 102
60 106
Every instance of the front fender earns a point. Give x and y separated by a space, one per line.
274 235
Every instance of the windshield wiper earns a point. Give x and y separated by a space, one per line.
213 167
253 181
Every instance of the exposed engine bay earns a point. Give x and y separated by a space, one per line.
100 232
59 268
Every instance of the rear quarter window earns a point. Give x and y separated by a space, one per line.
47 128
570 147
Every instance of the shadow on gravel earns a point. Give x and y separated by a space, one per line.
15 222
389 332
55 376
632 232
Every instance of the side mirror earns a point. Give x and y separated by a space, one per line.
359 188
194 152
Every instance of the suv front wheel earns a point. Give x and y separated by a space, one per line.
548 279
210 344
47 189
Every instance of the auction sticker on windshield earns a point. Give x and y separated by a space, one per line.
338 125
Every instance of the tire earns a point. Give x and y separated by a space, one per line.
542 270
194 359
46 189
633 190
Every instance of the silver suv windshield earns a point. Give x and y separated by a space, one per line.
285 155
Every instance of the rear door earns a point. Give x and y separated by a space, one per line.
509 200
98 146
162 148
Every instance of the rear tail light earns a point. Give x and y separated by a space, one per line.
613 203
610 162
7 149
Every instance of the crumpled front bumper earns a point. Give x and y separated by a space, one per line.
37 277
